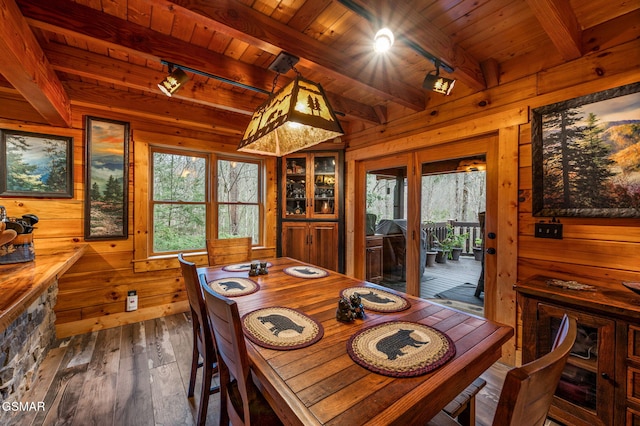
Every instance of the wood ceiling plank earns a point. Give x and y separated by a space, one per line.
260 30
307 14
26 67
560 23
139 12
115 7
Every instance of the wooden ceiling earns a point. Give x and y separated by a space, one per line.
109 54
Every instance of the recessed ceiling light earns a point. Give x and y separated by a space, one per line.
383 40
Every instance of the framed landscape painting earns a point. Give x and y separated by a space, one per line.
35 165
586 155
107 182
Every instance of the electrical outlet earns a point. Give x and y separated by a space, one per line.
548 230
132 300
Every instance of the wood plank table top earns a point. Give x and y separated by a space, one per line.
321 385
22 283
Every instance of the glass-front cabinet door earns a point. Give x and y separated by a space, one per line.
310 186
586 387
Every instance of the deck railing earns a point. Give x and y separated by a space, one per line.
438 231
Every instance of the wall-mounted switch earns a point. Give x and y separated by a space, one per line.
548 230
132 300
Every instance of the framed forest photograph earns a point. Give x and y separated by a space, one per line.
586 155
35 165
107 181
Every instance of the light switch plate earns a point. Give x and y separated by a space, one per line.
548 230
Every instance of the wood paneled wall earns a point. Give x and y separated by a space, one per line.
93 292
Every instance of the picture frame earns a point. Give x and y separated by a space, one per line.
107 179
35 165
586 155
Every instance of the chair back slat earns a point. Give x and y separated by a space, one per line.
224 251
528 390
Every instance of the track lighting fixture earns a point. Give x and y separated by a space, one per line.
174 81
383 40
437 83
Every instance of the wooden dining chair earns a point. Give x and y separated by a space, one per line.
240 400
528 390
203 344
223 251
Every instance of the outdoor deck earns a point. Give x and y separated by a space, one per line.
444 276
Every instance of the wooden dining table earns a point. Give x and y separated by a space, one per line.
322 385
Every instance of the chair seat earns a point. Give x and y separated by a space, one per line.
463 406
442 419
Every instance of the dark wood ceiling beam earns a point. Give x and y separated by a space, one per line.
561 25
79 21
26 67
255 28
108 70
160 108
402 19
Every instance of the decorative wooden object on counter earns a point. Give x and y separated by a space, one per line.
600 383
22 283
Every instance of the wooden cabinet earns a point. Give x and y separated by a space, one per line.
311 208
600 384
312 242
311 186
374 259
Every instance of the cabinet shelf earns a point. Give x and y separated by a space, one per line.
590 365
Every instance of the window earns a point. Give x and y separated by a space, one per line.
182 200
238 199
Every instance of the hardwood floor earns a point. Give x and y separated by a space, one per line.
138 374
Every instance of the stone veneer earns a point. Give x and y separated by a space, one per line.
25 343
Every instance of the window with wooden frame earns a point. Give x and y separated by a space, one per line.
186 207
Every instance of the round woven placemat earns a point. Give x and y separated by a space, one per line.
306 272
400 348
378 300
241 267
281 328
234 286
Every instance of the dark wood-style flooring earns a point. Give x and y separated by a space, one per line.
138 374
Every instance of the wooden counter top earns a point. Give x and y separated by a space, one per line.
22 283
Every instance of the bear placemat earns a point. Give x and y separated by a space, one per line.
400 348
378 300
234 286
281 328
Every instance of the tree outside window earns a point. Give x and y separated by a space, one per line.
238 196
181 200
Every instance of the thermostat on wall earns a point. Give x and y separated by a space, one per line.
132 300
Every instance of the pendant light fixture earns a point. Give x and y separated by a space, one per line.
296 117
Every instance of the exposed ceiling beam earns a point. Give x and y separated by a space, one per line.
561 25
401 18
26 67
78 21
160 108
108 70
253 27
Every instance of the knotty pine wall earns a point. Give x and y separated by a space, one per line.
92 293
